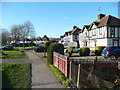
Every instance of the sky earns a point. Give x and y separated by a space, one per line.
54 18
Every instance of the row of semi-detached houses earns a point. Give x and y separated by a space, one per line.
105 31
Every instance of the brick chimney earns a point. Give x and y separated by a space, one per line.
74 27
100 16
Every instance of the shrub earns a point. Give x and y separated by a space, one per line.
47 44
98 50
55 47
70 51
85 51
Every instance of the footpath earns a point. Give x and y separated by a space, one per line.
42 76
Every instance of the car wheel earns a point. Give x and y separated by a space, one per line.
66 51
112 57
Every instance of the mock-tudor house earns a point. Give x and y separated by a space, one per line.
71 36
105 31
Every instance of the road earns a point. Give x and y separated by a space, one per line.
42 76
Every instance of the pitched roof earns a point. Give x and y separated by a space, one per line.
109 21
86 26
76 30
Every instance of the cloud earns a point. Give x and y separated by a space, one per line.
65 17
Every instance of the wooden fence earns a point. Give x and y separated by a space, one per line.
93 74
61 62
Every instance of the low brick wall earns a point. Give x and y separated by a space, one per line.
61 62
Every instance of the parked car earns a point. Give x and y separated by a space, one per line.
39 48
8 47
75 49
112 52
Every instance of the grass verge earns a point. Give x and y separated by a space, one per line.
16 75
14 55
64 80
43 44
24 48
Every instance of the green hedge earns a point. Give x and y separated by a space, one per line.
98 50
54 47
16 75
85 51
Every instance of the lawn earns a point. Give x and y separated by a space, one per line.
43 44
26 48
16 75
14 55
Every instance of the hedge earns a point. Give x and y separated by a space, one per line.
85 51
54 47
98 50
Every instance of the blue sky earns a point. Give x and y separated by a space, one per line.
54 18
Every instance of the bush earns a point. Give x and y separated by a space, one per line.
98 50
70 51
55 47
47 44
85 51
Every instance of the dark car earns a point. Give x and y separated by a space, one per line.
39 48
7 48
112 52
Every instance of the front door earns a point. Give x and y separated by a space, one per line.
115 42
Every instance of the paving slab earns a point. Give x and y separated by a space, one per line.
42 76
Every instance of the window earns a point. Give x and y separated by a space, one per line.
93 32
75 36
112 30
85 33
100 31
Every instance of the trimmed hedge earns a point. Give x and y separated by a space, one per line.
54 47
85 51
98 50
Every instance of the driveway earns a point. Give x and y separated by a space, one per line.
76 56
42 76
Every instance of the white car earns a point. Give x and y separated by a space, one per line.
75 49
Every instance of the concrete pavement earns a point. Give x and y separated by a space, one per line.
42 76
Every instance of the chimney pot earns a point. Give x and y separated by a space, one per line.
74 27
100 16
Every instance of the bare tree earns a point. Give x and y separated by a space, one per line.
22 32
26 30
15 33
5 36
